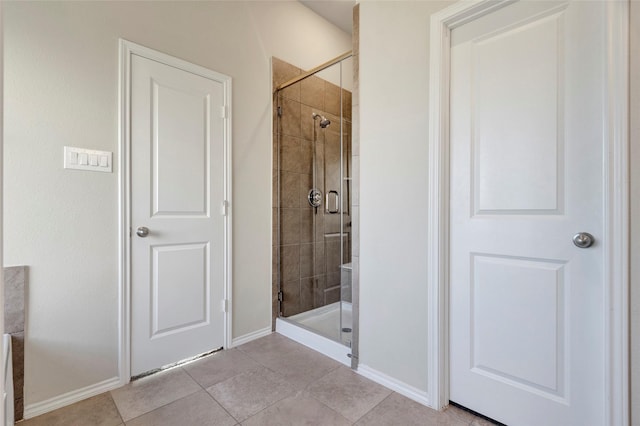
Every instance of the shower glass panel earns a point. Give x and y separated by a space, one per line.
312 199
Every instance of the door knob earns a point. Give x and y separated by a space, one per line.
142 231
583 240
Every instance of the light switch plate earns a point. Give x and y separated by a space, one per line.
87 159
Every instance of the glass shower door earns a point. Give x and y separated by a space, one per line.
313 246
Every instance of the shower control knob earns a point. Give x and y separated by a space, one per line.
315 198
142 231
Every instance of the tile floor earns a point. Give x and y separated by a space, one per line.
270 381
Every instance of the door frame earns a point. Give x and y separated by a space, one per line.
615 189
126 50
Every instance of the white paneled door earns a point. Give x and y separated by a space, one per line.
178 226
526 131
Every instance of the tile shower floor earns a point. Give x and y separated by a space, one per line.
269 381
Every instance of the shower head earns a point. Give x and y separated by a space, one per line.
324 121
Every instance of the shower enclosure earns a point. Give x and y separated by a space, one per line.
312 195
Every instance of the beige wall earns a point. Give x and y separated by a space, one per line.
393 111
61 80
635 213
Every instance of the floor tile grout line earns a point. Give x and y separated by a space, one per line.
281 399
322 377
332 409
279 374
301 347
157 408
193 378
117 409
230 377
391 392
269 406
295 391
245 372
222 406
374 407
307 385
163 405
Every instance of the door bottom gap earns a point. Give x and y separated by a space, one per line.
475 413
175 364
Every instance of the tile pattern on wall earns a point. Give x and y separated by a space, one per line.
15 279
304 240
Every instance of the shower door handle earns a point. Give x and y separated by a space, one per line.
336 204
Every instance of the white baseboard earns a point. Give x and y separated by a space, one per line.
38 408
396 385
237 341
328 347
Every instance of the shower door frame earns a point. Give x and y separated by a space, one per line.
616 196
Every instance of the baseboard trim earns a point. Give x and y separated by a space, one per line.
237 341
38 408
396 385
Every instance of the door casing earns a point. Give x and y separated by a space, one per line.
126 49
616 199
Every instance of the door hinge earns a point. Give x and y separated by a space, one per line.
224 111
280 296
225 208
279 111
225 306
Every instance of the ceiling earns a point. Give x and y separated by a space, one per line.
338 12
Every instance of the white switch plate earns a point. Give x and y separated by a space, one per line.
87 159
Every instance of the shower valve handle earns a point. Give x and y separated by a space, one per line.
315 197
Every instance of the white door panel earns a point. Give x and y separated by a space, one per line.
179 115
177 151
526 311
176 308
515 133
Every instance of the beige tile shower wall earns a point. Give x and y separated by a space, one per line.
306 271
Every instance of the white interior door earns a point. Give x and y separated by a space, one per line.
177 189
526 131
